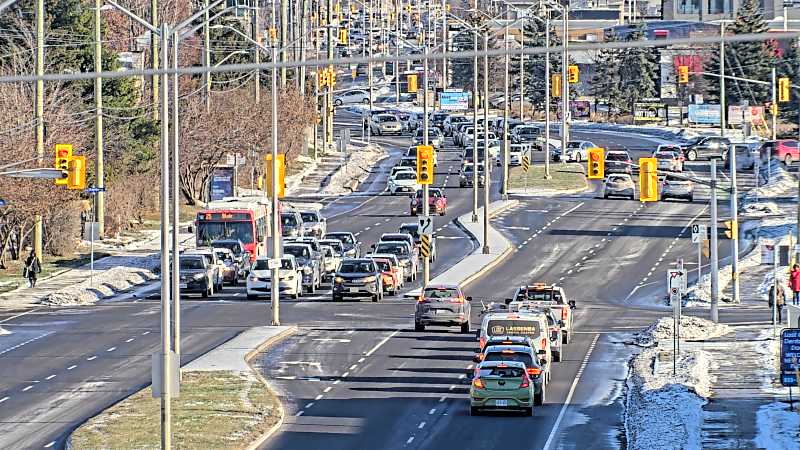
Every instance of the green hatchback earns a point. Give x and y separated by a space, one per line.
503 386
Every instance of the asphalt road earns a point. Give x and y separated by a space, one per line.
357 375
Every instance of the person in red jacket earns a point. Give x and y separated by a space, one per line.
794 284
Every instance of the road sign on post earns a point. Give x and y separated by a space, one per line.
526 162
676 278
424 245
425 225
790 354
699 232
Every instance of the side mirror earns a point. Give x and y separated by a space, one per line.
571 304
372 246
508 301
190 229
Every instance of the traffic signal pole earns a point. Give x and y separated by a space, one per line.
100 197
475 129
426 263
505 115
546 148
38 235
486 158
565 112
714 249
276 234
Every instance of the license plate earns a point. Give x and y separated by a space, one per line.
352 289
501 402
182 285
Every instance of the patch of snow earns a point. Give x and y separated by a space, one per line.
759 209
4 332
355 169
778 428
692 328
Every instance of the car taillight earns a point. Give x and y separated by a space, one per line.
420 299
477 383
482 342
524 383
457 300
564 314
544 343
534 371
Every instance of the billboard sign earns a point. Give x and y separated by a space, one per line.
704 114
454 101
221 185
790 356
649 112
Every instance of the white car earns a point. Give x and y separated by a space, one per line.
578 151
330 260
259 282
351 97
403 181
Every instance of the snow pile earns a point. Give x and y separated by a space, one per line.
761 209
780 183
778 428
699 294
294 181
106 283
692 328
4 332
356 168
664 411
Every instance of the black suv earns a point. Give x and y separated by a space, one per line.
706 147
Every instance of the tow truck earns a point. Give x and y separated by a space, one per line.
546 295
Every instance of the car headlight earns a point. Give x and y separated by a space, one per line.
338 280
370 279
198 276
307 270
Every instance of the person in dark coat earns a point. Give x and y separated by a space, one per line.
779 302
32 268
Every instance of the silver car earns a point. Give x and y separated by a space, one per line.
386 124
313 223
350 97
619 185
672 187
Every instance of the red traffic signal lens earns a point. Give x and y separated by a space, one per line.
594 156
63 153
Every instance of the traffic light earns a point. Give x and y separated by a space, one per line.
323 77
424 164
573 74
683 74
343 37
773 108
783 89
63 157
331 77
731 229
648 180
596 163
273 34
412 83
76 174
281 174
555 86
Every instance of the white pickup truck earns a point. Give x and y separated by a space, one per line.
551 296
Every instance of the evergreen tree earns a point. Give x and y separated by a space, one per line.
534 72
463 68
605 83
637 71
753 60
789 66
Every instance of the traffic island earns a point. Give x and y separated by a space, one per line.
223 404
566 178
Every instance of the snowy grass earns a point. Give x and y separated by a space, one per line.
692 328
778 428
356 169
215 410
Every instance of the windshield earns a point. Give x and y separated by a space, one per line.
405 176
297 251
395 249
617 157
618 179
513 327
288 220
387 119
441 293
574 145
232 246
191 263
309 217
524 358
665 155
224 256
345 238
383 265
357 267
208 232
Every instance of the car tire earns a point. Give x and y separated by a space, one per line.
787 160
540 398
473 411
556 356
251 297
465 327
564 338
337 102
691 155
577 157
419 327
527 412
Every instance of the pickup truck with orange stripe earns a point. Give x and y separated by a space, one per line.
549 296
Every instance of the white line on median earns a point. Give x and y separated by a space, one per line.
130 340
71 367
4 399
318 397
50 377
111 349
410 440
563 411
432 411
421 425
327 389
28 388
91 358
52 443
353 367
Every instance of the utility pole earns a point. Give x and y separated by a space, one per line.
38 235
522 74
256 52
154 54
397 54
735 226
444 45
284 17
303 31
176 264
368 25
329 110
487 184
721 79
546 148
505 113
206 58
100 197
276 231
714 249
166 354
565 112
475 129
426 272
774 108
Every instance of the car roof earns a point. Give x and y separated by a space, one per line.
618 152
356 260
512 347
338 233
442 286
517 364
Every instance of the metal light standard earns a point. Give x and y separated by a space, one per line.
486 158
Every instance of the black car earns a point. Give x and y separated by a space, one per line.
706 147
437 119
618 161
195 275
358 277
350 245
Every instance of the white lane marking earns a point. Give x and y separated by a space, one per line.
52 443
4 399
130 340
71 367
345 375
27 388
452 387
563 411
91 358
318 397
410 440
309 405
353 367
361 360
111 349
50 377
299 413
26 342
432 411
145 333
421 425
337 381
341 341
442 399
377 224
20 315
380 344
326 390
367 228
462 376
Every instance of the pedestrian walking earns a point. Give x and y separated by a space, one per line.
778 301
32 269
794 284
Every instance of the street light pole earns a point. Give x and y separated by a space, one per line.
154 54
714 249
256 53
369 73
486 158
505 114
721 79
522 74
426 272
565 112
206 58
444 45
100 197
276 236
284 23
175 287
546 148
38 235
475 130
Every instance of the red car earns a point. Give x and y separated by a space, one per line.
786 150
437 202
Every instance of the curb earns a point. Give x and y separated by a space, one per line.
249 356
500 257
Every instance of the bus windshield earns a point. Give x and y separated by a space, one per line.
208 232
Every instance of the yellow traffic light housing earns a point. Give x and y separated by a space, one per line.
683 74
63 157
596 163
424 164
344 38
573 74
783 89
648 180
331 76
731 229
555 86
76 174
281 174
412 83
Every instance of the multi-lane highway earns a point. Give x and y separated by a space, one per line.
357 375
